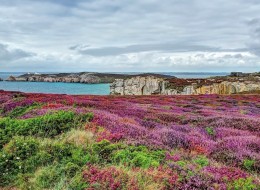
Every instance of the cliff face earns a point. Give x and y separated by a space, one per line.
227 87
141 86
137 86
72 78
151 85
67 79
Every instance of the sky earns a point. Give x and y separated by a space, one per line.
130 35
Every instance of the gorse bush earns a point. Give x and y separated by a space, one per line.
24 155
133 156
249 164
202 161
47 177
243 184
26 158
48 125
21 110
139 156
19 156
210 131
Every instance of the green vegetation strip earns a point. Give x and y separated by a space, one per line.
49 125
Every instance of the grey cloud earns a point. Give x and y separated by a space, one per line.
167 47
79 47
112 51
121 27
235 56
254 44
7 54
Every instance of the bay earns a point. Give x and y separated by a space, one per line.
78 88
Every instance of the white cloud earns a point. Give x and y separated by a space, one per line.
147 35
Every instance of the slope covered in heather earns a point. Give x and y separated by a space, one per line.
129 142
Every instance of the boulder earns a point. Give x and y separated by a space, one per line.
21 79
11 78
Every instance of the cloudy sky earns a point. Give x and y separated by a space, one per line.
130 35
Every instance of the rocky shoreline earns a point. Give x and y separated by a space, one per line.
235 83
154 84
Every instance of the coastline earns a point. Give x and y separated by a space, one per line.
126 84
82 77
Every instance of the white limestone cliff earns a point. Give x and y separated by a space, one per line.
152 85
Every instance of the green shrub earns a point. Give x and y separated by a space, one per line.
71 169
24 155
21 110
60 177
202 161
19 156
48 177
103 150
138 156
249 164
48 125
210 131
243 184
181 163
77 183
133 156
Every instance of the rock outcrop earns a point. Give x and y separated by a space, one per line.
152 85
137 86
227 87
148 85
11 78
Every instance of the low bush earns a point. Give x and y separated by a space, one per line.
244 184
210 131
24 155
21 110
139 157
249 164
48 125
133 156
202 161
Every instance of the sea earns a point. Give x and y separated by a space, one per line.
78 88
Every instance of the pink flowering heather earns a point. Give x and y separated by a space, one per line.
166 142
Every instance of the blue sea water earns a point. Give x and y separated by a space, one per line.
77 88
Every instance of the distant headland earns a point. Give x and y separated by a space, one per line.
82 77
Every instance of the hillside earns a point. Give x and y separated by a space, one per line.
129 142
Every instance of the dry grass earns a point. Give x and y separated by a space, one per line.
79 137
